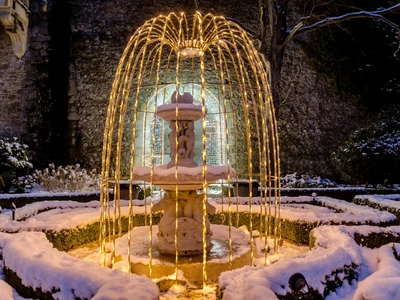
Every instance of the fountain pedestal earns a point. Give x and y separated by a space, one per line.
218 258
183 220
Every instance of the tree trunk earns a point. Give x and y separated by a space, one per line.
277 13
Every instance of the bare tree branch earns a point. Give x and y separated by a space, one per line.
377 14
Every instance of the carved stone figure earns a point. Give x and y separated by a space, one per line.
172 136
186 140
190 223
189 133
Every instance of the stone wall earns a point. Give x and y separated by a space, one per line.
29 106
313 120
100 32
13 116
67 74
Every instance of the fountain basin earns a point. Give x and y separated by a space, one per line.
186 178
180 112
191 266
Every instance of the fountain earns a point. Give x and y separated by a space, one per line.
190 108
181 178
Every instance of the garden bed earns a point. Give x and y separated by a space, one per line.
69 224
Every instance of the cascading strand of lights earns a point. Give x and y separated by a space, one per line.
123 107
241 77
177 78
131 165
263 78
277 193
260 70
267 161
257 70
146 112
153 125
266 170
220 127
104 196
235 120
160 51
225 119
107 148
276 172
144 153
117 176
132 156
204 150
242 86
249 150
108 142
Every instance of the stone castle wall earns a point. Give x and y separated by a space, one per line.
64 122
12 76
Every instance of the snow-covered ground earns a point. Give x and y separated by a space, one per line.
38 264
379 271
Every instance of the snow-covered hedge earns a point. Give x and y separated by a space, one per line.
330 268
37 270
305 181
390 203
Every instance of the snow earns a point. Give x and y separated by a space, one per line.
38 264
164 171
392 201
140 244
28 253
298 209
43 194
334 249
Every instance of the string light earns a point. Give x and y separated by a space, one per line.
223 61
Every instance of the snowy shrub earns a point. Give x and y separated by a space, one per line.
71 178
22 183
305 181
372 154
13 161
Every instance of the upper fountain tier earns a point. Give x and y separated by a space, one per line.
182 170
181 109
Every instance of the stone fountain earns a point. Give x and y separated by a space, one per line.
216 60
181 179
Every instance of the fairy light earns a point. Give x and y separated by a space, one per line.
262 158
153 140
225 119
241 76
248 141
204 152
190 49
176 152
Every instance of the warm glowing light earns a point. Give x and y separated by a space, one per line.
236 123
190 48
